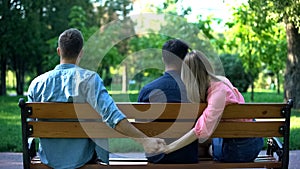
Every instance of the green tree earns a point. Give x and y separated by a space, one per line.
77 17
150 39
246 42
112 11
272 40
46 19
275 51
12 46
147 62
257 39
288 12
235 72
7 14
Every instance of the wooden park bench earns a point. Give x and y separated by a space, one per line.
172 120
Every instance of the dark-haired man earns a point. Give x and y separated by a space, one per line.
170 88
68 81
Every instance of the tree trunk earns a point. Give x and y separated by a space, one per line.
3 76
107 76
39 68
292 73
278 82
124 79
252 91
20 75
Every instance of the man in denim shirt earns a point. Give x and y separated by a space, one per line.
68 81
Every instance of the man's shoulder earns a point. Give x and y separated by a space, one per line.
42 77
155 83
85 72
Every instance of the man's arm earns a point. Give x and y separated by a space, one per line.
102 102
151 145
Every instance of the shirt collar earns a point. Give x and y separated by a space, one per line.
173 72
65 66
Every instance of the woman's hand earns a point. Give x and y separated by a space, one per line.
168 149
185 140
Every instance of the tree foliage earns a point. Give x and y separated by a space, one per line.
257 39
35 23
245 41
287 12
235 71
254 36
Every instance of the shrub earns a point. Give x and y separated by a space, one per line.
235 72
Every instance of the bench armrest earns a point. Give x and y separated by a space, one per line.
32 147
275 146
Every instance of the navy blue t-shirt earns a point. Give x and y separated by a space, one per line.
169 88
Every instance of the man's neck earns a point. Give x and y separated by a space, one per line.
172 68
67 61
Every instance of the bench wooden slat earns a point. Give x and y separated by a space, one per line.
154 129
62 110
250 110
201 164
158 111
246 129
261 162
171 120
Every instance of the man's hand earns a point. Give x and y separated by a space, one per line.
152 145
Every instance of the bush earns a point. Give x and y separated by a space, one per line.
235 72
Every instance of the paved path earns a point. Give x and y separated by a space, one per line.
14 160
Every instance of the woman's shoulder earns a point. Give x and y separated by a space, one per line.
221 81
225 80
224 85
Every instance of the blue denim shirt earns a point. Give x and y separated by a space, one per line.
65 83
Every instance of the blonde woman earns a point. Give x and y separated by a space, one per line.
203 86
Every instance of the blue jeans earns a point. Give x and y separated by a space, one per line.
236 149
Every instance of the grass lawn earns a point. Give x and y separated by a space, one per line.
264 97
10 130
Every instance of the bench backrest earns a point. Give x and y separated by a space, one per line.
164 120
171 120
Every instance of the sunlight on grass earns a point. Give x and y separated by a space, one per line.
262 97
295 118
295 130
295 122
120 92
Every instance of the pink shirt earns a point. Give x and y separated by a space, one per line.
219 95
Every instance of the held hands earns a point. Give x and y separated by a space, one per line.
153 145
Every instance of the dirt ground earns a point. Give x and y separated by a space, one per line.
14 160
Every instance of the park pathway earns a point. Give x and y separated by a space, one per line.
14 160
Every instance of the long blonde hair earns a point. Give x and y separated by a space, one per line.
197 73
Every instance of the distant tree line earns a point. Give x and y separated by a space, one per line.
263 35
29 31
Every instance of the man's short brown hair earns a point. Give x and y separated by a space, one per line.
70 43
